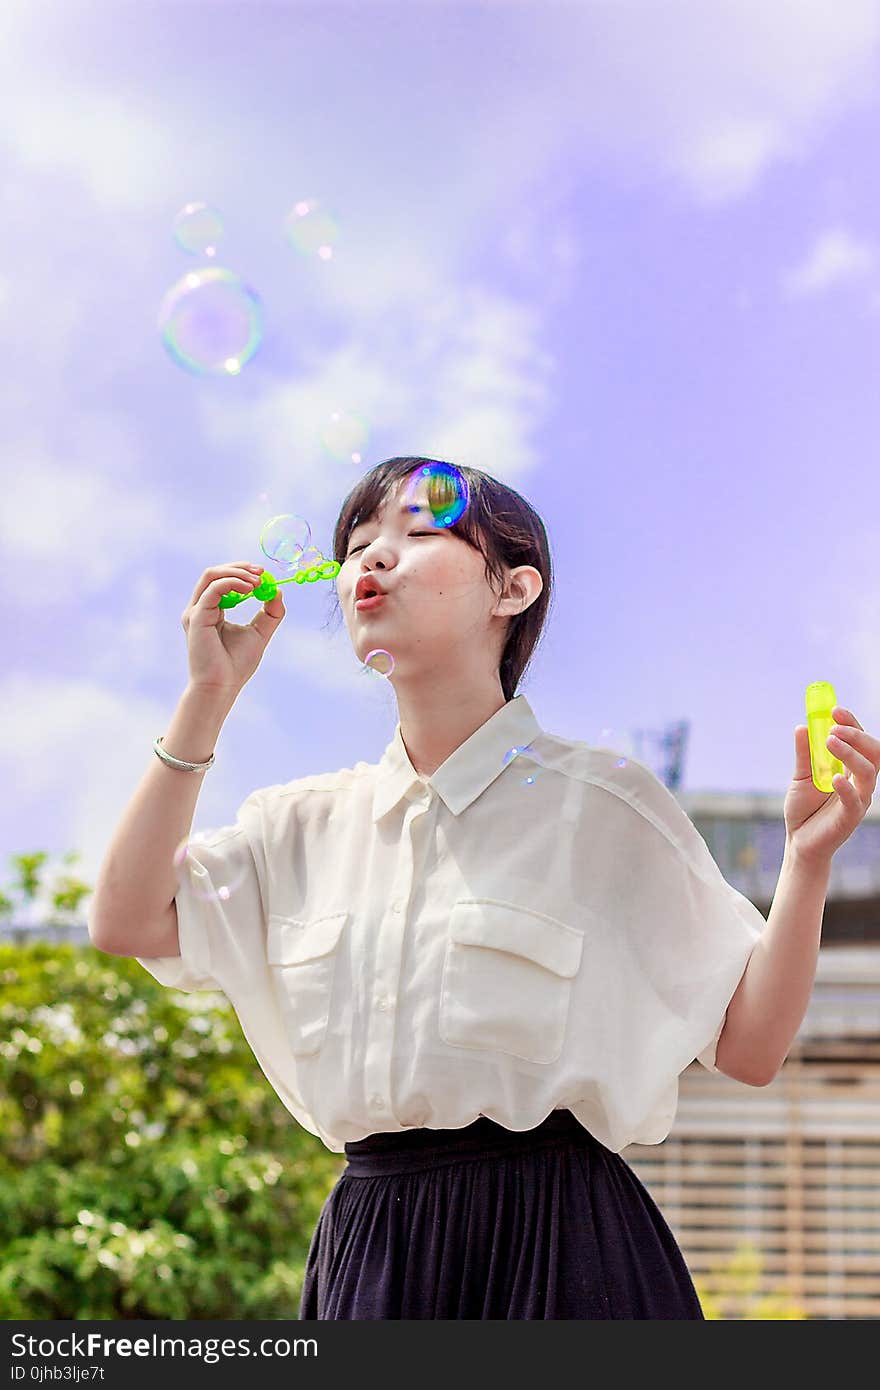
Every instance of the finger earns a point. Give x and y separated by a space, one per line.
227 582
848 754
243 570
844 716
268 617
860 739
862 774
803 766
850 797
845 790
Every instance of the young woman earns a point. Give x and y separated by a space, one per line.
478 966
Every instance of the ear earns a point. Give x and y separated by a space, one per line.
524 585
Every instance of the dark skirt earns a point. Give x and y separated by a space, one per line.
485 1222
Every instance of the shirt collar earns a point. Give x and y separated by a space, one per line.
468 771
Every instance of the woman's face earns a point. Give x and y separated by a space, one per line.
437 601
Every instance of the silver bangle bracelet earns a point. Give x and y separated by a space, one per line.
178 762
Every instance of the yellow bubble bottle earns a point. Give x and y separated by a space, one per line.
820 701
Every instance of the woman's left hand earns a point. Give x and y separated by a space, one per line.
817 823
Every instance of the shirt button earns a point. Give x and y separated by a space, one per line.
384 1001
376 1102
397 905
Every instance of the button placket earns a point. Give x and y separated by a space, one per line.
380 1038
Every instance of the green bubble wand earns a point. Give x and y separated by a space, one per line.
268 586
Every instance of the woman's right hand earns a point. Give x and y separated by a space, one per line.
223 656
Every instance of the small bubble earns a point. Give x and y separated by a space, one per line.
617 741
345 436
198 228
186 861
528 759
310 229
380 661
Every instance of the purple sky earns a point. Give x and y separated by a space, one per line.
621 256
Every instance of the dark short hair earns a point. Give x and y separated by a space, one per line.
497 522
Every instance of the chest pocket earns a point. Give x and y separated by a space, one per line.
302 956
506 981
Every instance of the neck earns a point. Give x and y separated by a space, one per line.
438 715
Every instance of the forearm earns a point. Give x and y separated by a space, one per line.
768 1007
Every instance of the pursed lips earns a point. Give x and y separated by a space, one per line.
368 599
366 588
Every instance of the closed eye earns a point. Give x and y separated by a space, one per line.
355 548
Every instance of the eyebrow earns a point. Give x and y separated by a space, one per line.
403 508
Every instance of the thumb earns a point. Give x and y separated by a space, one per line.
803 766
270 615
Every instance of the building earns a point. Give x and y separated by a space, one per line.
791 1170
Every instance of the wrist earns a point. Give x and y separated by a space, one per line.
212 702
817 865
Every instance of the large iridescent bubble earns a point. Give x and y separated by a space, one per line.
211 322
447 492
285 538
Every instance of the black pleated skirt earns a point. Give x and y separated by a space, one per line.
485 1222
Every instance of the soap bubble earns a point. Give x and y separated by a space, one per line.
186 859
529 762
198 228
310 556
380 661
211 322
447 492
284 538
345 436
618 742
310 229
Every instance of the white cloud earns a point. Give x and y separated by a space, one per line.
727 157
79 734
82 735
836 256
77 513
710 95
120 159
461 375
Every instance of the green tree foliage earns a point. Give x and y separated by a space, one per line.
148 1170
61 900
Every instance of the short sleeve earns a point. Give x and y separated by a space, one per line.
715 930
693 932
221 895
742 925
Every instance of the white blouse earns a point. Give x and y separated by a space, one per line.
517 933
